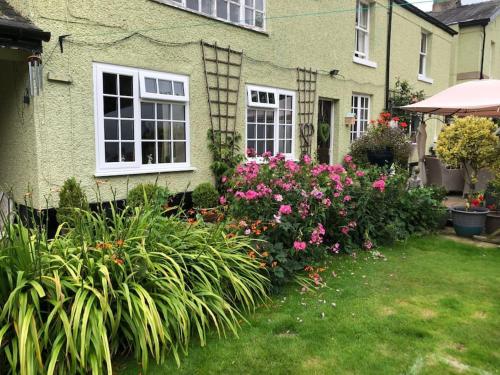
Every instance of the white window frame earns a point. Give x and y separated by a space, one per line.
252 105
242 18
143 74
135 167
362 55
357 130
423 60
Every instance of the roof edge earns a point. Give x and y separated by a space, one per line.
420 13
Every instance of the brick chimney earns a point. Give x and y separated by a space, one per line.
442 5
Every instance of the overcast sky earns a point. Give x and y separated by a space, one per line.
427 4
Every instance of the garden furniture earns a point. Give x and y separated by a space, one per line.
438 174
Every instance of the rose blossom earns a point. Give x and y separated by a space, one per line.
379 184
335 248
347 198
299 245
278 197
348 158
285 209
360 173
222 200
307 159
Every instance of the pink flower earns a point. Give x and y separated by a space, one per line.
318 194
285 209
248 231
379 184
348 181
292 166
360 173
223 179
345 230
277 218
335 248
278 198
222 200
267 154
251 153
368 244
299 245
347 198
251 195
317 235
348 158
327 202
307 159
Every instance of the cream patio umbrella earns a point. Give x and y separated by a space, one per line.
473 98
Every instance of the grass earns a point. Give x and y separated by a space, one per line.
431 307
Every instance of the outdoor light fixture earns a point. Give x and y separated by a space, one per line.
334 72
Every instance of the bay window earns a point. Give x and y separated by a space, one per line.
270 120
142 121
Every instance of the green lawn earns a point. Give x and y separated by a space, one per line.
432 307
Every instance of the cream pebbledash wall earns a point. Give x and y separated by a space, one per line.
317 34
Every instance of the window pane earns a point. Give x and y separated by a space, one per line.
248 16
262 97
110 107
163 130
249 3
147 110
126 108
111 129
282 117
270 146
255 96
179 88
289 102
289 132
151 85
165 87
148 153
270 117
128 151
289 117
192 4
206 6
222 9
178 112
281 146
127 130
111 150
421 69
251 115
178 131
261 116
148 130
270 131
271 99
261 131
109 83
261 145
288 147
281 132
163 111
251 145
234 12
179 152
259 4
259 19
250 131
126 85
164 152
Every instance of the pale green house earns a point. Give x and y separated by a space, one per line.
125 100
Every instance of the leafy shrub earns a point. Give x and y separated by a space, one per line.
470 142
379 137
71 197
205 195
133 282
286 204
148 194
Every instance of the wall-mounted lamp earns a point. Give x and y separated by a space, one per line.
334 72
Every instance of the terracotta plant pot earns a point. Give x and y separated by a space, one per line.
492 222
468 223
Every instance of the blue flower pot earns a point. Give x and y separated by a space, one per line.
468 223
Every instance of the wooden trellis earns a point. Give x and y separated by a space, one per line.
306 81
223 75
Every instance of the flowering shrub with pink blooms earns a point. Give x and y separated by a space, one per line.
301 211
294 202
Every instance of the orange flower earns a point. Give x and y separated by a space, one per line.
262 265
117 260
104 245
274 264
251 254
308 268
265 254
120 243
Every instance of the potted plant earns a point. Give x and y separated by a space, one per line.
384 143
469 142
205 201
492 199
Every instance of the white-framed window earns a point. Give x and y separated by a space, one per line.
270 120
250 13
361 110
422 66
142 121
362 44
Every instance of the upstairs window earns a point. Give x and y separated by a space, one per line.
250 13
362 30
422 68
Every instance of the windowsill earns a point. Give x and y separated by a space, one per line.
425 79
127 172
201 14
365 62
261 160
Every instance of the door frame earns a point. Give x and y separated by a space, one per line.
332 124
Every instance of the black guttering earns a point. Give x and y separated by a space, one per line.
420 13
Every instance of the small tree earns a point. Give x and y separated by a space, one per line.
469 142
